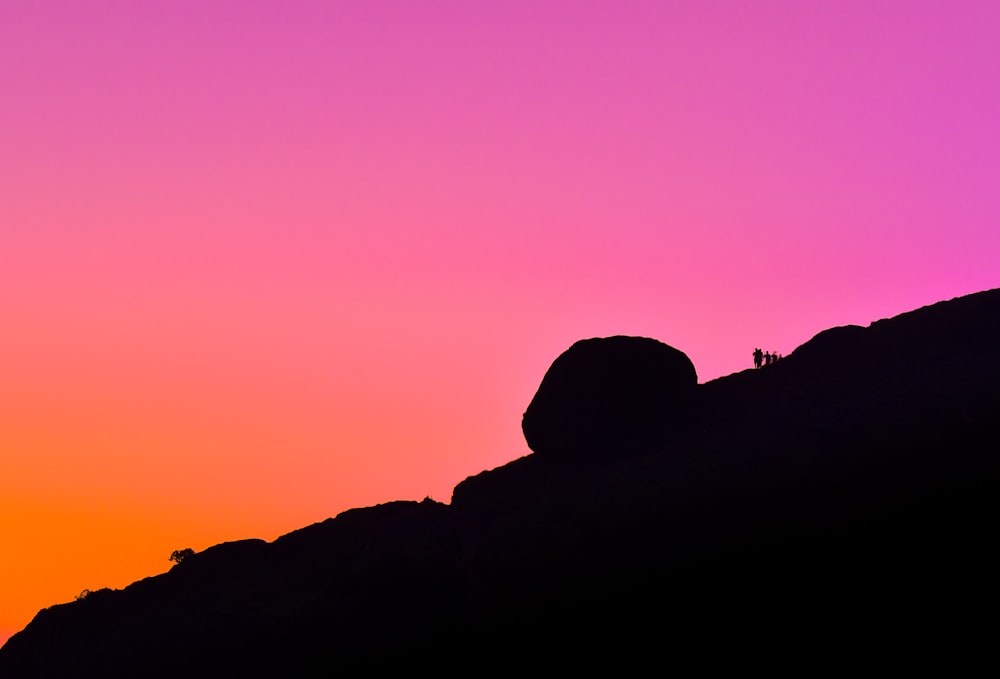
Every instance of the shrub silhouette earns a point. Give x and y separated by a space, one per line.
91 593
178 555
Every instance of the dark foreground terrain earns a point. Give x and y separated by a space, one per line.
838 506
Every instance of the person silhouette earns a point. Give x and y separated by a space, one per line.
758 357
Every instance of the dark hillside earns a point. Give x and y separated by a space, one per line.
838 503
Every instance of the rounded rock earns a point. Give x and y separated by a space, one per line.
607 396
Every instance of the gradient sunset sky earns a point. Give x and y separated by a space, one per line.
262 262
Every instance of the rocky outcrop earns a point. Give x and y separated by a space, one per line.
838 500
609 396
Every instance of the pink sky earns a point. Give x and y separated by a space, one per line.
263 262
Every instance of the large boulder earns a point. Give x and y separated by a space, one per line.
608 396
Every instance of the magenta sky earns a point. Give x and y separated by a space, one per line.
264 261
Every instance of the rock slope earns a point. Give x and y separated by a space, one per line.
839 504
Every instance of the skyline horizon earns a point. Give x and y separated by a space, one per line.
6 634
262 263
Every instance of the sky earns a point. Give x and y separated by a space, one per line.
261 262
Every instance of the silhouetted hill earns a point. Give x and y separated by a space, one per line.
837 505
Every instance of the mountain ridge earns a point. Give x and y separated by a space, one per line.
856 475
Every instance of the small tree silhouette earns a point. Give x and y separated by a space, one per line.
178 555
91 593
